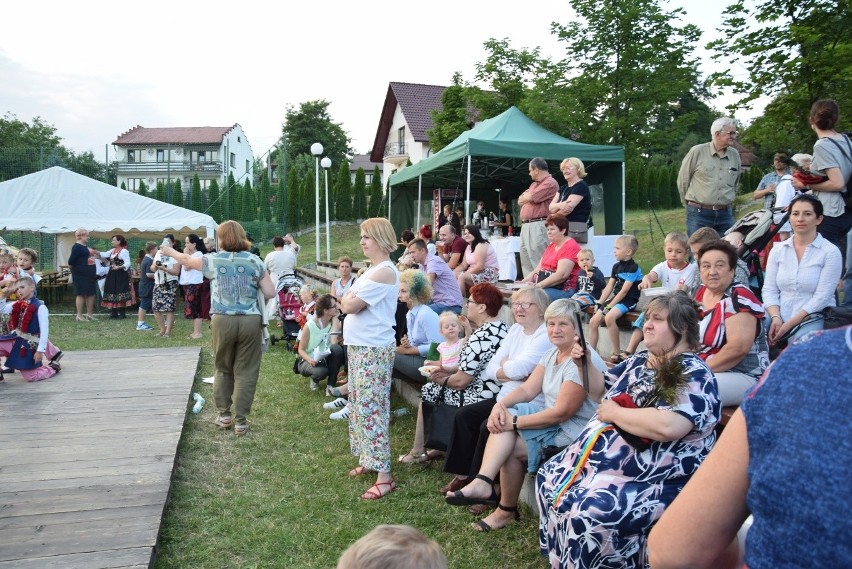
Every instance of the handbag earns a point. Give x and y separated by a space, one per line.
578 231
438 420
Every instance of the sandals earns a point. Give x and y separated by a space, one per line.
619 357
241 429
375 491
358 471
224 421
484 527
455 485
411 458
459 499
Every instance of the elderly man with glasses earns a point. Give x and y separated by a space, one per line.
708 178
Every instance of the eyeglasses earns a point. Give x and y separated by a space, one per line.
731 133
471 301
524 305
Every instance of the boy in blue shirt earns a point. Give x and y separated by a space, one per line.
621 293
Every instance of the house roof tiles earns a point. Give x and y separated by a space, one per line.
417 101
174 135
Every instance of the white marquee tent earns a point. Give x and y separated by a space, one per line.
59 201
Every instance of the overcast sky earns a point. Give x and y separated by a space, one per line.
95 69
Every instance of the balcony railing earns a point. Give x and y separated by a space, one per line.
174 166
395 149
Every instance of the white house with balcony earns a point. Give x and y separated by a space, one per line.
401 134
163 155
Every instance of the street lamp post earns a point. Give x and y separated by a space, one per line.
326 164
316 150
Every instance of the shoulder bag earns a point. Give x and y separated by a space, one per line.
438 419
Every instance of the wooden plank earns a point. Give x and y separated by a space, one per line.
87 457
111 559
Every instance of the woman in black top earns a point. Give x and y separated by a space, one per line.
574 200
504 216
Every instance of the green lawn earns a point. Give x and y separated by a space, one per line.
280 497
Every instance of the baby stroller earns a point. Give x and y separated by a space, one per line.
758 230
287 289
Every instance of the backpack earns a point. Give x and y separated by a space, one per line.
847 195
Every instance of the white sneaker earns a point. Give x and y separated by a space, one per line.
341 415
338 403
143 326
314 385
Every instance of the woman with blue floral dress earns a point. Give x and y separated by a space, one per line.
600 497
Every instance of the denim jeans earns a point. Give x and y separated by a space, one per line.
696 218
439 308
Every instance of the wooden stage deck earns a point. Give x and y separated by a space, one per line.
86 458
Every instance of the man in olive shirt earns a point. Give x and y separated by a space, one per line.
708 177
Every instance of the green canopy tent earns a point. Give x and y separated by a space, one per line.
494 154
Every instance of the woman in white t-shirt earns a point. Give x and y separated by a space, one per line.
370 342
191 282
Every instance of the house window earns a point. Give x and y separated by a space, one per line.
247 166
202 156
161 155
131 156
238 139
233 160
205 184
400 139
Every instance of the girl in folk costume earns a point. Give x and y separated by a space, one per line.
27 345
118 294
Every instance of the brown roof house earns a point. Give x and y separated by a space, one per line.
406 116
162 154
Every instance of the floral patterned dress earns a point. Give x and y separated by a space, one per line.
603 517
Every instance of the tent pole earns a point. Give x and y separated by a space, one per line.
419 197
467 201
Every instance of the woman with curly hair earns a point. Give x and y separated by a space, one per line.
422 325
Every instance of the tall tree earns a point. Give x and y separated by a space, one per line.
343 191
160 193
176 196
25 146
508 75
451 119
375 206
214 201
307 193
142 190
279 204
264 198
359 195
230 198
249 207
311 123
628 60
294 205
794 52
195 196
